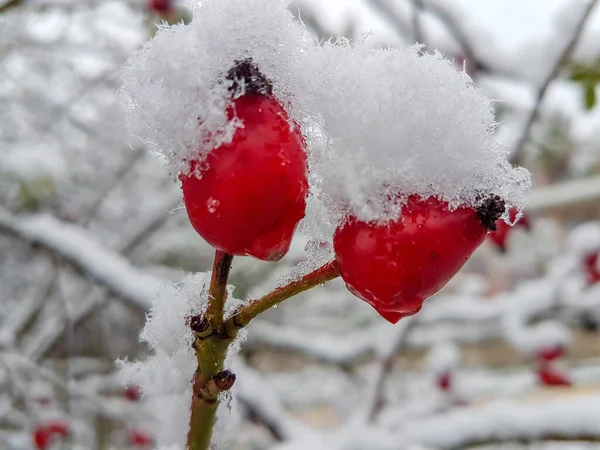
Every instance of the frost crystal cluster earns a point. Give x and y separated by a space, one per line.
380 124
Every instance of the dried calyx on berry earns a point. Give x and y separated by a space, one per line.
491 210
246 78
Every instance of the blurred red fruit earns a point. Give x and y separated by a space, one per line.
444 381
551 353
44 435
549 377
396 265
500 237
160 6
41 438
140 438
251 192
591 268
132 393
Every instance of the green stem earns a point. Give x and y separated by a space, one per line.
243 317
210 353
212 338
210 345
218 289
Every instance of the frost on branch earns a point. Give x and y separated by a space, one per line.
166 376
177 85
398 122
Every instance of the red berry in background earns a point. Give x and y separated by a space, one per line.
551 353
44 435
550 377
444 381
591 268
41 438
251 192
395 266
132 393
500 237
139 438
160 6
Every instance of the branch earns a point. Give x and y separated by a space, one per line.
319 276
562 59
210 345
566 194
387 365
218 289
80 250
9 5
509 421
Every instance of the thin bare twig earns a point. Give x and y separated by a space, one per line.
387 366
540 93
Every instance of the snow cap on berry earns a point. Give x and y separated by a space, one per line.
397 122
179 85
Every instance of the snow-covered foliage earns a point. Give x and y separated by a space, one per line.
92 236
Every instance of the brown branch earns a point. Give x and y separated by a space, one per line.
562 59
218 289
243 317
10 5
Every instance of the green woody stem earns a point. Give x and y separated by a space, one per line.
212 337
319 276
210 344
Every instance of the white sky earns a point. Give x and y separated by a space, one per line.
509 21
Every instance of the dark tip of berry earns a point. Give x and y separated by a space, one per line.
224 380
491 210
248 79
198 324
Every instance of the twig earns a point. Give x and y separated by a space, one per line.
387 365
399 23
417 9
86 255
211 345
218 289
113 183
9 5
540 93
325 273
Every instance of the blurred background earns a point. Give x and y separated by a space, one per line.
506 356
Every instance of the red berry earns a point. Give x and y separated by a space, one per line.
139 438
41 438
44 435
444 381
160 6
549 377
132 393
251 192
591 267
551 353
503 230
395 266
